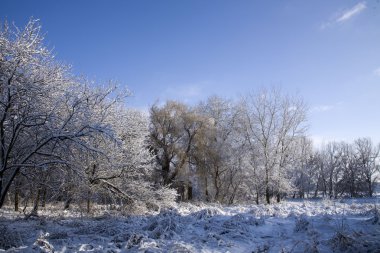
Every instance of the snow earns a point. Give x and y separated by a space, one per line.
348 225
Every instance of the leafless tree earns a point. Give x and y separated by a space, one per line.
272 124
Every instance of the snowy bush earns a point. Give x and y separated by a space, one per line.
165 225
341 241
179 247
312 247
302 224
242 221
9 239
134 240
207 213
262 248
121 237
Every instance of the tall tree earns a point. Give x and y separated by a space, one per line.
173 131
272 124
40 107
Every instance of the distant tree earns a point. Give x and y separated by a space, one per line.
303 172
366 155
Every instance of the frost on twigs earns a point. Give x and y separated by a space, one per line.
43 244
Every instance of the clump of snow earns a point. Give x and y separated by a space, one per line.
43 244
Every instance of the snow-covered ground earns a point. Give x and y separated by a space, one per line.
350 225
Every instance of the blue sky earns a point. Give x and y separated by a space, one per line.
326 51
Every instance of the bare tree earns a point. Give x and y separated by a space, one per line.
273 122
216 151
366 154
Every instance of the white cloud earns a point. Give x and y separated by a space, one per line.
346 15
377 71
343 16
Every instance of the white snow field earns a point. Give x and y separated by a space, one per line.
349 225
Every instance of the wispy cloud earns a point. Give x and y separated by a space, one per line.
352 12
323 108
343 16
327 107
377 71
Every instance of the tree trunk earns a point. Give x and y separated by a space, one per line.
257 197
89 201
16 198
206 190
216 184
190 192
267 192
370 191
316 189
36 202
4 188
43 204
67 203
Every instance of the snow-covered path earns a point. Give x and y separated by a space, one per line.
291 226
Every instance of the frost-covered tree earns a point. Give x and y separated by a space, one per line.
272 124
366 155
216 152
346 169
303 173
41 109
63 136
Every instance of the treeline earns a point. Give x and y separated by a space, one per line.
341 169
66 140
255 149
